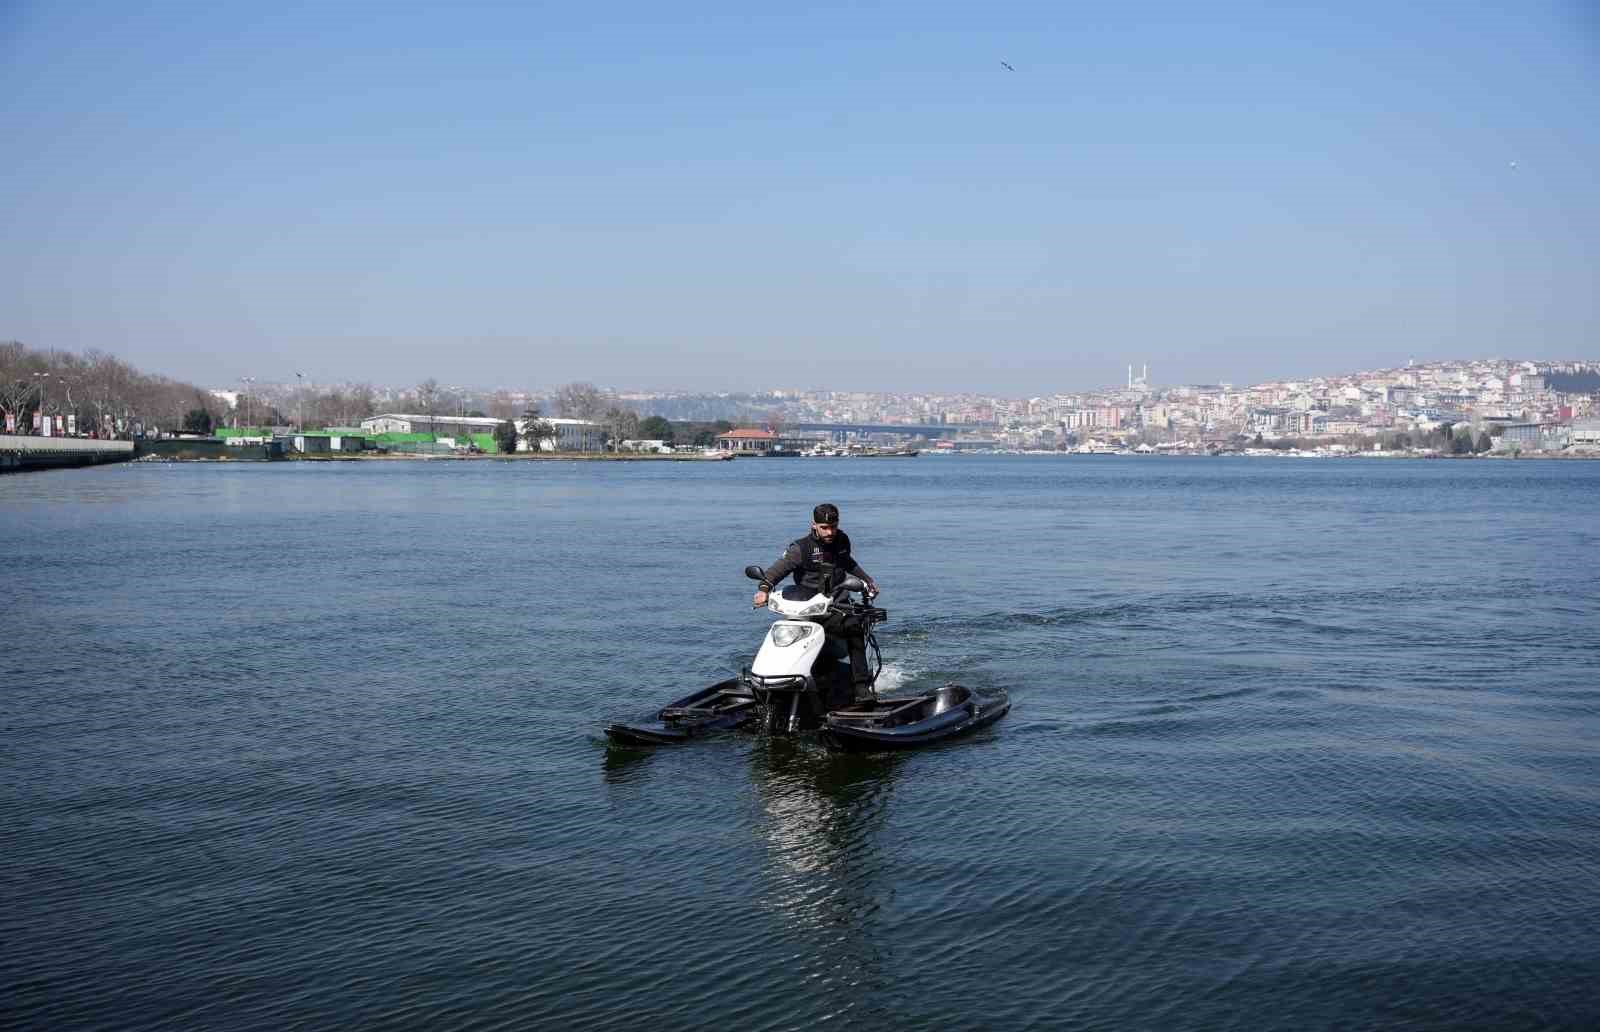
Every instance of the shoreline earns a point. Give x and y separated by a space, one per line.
593 457
408 457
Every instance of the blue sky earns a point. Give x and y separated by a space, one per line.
852 196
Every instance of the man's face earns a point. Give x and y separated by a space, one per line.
824 531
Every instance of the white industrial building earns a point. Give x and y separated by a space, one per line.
579 435
447 426
1586 431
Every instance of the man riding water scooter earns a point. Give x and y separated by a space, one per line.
819 561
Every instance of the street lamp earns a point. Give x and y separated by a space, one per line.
300 378
40 386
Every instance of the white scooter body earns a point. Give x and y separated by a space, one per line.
791 646
799 672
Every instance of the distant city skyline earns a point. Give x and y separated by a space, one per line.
1138 378
842 195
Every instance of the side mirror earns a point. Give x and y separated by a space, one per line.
754 572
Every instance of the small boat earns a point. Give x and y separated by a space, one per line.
912 721
724 705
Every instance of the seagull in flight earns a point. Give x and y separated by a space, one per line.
1007 67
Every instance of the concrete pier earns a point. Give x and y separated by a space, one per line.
23 453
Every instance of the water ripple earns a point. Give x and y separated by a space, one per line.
1292 747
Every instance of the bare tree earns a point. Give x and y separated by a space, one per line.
17 381
363 403
108 381
428 397
95 388
622 424
502 405
71 374
326 408
13 359
580 401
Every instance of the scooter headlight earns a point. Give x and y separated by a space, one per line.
787 634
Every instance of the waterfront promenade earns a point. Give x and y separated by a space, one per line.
18 452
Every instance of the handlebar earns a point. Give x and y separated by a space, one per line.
872 613
850 585
865 608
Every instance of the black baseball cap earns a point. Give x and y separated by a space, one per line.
826 514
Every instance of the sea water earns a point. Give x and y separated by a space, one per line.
1294 744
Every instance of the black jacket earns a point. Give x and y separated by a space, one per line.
815 565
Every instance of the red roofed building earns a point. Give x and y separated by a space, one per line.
747 440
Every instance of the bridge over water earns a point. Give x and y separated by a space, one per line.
905 429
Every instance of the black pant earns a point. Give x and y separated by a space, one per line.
853 632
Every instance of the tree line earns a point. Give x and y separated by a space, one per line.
108 397
1447 438
623 423
617 421
105 395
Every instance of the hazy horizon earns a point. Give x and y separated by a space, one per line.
623 387
728 200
